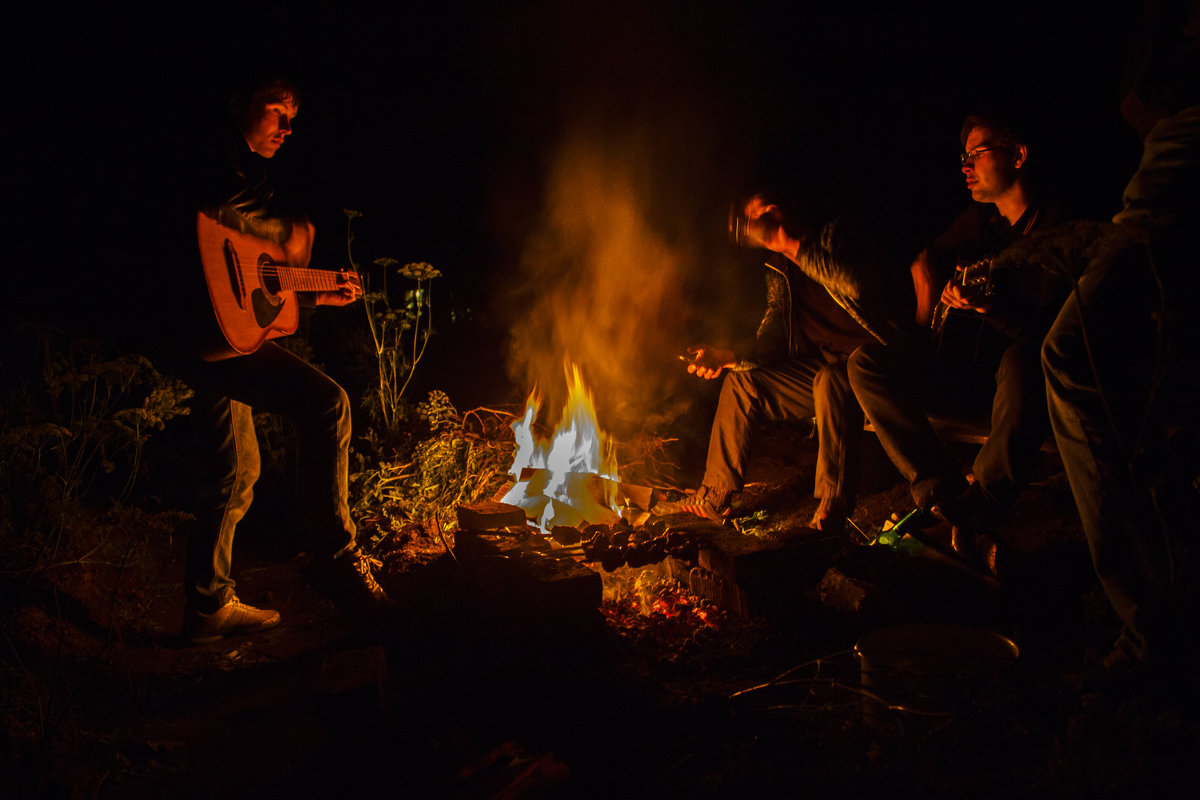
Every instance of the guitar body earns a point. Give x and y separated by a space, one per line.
961 334
243 277
974 280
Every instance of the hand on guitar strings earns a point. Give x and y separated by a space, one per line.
955 296
349 289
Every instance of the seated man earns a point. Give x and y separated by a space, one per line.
797 371
1007 206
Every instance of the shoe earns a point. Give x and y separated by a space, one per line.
1124 656
347 581
963 508
977 549
706 503
235 618
831 514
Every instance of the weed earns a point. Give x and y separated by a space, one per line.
399 332
77 435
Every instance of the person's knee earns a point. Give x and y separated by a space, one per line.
1057 361
739 384
328 400
1021 365
341 400
864 366
340 405
832 381
237 469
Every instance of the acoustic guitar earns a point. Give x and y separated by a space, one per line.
975 281
252 288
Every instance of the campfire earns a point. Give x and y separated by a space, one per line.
569 479
567 497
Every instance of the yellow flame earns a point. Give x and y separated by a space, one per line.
578 448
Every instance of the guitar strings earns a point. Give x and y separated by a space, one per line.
320 279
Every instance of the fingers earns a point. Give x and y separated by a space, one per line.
349 286
702 365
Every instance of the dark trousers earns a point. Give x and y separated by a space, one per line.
227 459
894 387
795 389
1103 385
1020 425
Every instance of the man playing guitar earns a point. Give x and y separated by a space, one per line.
248 241
1019 303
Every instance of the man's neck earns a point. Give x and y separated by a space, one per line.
1013 203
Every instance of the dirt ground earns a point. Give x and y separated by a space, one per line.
462 698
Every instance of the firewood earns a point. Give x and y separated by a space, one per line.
489 515
565 535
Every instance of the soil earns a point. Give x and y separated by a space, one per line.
462 697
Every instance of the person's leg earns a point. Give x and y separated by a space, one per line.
839 434
227 459
1019 426
275 380
1098 362
778 392
890 385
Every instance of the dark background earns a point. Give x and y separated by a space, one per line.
441 123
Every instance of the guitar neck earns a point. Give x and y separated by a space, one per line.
974 272
305 279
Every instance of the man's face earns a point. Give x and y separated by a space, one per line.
762 222
266 122
990 170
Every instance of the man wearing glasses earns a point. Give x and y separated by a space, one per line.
1018 303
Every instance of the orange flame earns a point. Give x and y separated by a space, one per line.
577 478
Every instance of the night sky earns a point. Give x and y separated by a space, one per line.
446 125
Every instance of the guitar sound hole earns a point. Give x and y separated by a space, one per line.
268 274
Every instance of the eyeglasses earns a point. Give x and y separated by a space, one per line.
972 155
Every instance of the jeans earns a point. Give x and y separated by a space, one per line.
795 389
892 386
227 459
1099 361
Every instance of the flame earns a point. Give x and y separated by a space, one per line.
577 478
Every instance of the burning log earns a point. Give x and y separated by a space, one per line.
566 535
488 515
637 547
573 499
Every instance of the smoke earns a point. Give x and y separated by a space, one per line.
624 264
600 286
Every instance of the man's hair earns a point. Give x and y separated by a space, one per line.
1006 131
273 89
1163 67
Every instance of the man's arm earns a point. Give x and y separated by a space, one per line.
298 246
925 285
298 252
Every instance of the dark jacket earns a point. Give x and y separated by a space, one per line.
801 319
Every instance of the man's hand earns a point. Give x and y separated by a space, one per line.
954 297
349 289
709 362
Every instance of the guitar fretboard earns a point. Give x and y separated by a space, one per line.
300 279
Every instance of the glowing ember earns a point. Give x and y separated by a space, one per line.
574 478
